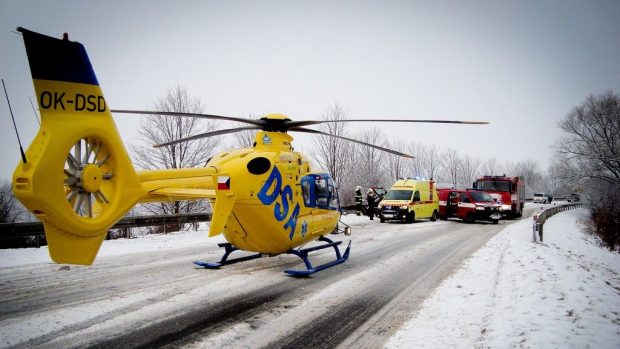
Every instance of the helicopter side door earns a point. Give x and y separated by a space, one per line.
319 192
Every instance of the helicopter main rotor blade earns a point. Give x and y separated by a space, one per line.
207 134
301 123
307 130
194 115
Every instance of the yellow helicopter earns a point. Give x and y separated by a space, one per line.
77 178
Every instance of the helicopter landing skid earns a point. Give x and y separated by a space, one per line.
228 250
303 254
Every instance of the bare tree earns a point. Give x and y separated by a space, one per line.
452 166
416 165
490 167
470 168
331 153
533 176
589 154
11 210
370 171
431 161
591 146
396 166
162 129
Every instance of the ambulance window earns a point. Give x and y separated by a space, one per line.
416 196
398 195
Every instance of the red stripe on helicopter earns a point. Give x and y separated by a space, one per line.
223 183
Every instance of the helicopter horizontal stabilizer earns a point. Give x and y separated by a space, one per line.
184 193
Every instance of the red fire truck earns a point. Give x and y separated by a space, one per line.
508 191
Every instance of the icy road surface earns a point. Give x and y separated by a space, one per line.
158 298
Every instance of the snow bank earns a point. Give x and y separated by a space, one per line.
564 292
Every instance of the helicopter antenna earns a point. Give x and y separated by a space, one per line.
14 125
34 111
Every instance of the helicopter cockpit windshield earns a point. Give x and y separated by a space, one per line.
319 190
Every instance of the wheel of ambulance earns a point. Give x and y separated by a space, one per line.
411 217
381 219
434 216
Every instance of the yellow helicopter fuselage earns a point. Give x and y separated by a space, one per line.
264 211
270 214
79 180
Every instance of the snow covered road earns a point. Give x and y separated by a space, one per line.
405 285
135 297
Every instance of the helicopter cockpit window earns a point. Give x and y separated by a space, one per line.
305 192
322 192
333 194
319 191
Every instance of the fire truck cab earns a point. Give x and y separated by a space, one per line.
509 192
469 205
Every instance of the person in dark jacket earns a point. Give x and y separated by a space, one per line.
359 201
371 197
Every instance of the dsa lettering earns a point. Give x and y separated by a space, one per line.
271 192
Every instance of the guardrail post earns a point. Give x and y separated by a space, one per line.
540 232
535 227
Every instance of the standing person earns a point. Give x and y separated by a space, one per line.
371 197
358 200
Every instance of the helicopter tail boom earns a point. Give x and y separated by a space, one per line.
77 178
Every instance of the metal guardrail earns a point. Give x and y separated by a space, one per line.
14 230
541 217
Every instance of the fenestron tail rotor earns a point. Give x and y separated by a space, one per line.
87 172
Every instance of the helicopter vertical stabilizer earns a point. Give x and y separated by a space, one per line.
78 178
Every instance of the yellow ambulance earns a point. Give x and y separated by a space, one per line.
410 199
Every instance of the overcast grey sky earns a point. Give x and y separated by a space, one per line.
522 65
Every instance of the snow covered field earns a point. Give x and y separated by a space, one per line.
562 293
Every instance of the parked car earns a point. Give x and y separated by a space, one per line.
469 205
542 198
